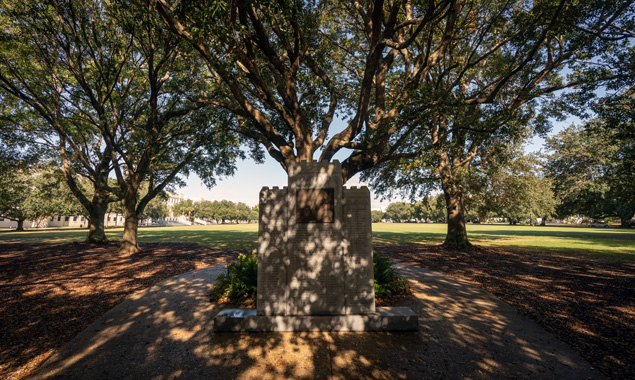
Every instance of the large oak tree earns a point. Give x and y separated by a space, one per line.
495 88
285 69
441 81
39 49
102 81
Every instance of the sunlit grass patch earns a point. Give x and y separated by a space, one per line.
229 236
602 243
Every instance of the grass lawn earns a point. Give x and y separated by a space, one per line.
230 236
607 243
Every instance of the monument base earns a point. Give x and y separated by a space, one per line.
384 319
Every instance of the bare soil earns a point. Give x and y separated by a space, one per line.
586 303
50 292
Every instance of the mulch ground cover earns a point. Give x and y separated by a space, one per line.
51 292
588 304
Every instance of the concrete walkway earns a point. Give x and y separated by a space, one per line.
165 332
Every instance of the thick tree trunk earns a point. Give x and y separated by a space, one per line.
543 222
457 234
96 232
98 205
129 244
20 226
625 223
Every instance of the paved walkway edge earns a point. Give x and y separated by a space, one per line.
166 332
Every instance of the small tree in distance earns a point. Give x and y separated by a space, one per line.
376 216
185 208
399 211
156 208
592 172
35 193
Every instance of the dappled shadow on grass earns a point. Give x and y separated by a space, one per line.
387 238
54 236
550 231
224 239
615 243
589 304
238 236
604 250
50 292
585 250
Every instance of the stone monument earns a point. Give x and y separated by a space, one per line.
315 264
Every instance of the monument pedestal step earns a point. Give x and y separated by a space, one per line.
384 319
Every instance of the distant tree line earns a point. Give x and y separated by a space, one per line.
431 208
218 211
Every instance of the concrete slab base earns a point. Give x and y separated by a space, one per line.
384 319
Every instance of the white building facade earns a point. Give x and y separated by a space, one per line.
59 221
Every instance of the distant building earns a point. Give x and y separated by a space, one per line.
175 198
78 221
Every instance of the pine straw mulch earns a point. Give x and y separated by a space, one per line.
51 292
588 304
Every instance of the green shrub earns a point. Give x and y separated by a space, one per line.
388 284
239 284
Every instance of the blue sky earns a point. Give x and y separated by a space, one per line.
250 177
245 185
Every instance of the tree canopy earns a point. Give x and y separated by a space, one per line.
286 69
427 91
99 83
35 193
219 211
591 172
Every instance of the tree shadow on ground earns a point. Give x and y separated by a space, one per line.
586 303
51 292
166 332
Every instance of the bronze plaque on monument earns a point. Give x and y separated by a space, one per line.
315 205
